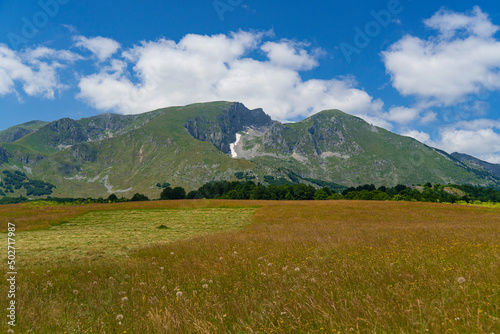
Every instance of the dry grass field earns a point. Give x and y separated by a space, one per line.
282 267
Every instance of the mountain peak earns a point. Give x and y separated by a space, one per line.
192 145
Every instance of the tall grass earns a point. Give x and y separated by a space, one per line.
329 266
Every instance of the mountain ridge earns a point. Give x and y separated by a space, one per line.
190 145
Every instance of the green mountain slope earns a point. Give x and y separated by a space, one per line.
18 131
338 147
189 146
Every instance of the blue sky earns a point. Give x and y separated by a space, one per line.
427 69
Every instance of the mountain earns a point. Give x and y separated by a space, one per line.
18 131
475 163
191 145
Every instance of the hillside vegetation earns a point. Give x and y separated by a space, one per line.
196 144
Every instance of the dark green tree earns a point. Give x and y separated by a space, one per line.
139 198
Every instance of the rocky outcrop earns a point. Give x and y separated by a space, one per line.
67 132
320 134
221 129
274 139
64 132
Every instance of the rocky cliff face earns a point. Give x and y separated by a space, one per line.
274 138
64 132
67 132
320 134
221 130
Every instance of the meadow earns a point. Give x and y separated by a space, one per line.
256 267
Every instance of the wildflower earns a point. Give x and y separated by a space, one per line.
164 287
283 313
154 263
49 283
205 286
461 280
210 281
178 294
119 317
94 282
171 253
89 272
75 292
124 299
297 269
161 268
142 283
10 331
285 268
269 264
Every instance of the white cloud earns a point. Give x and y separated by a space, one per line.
38 77
429 117
101 47
448 23
491 158
289 54
475 142
403 115
418 135
479 138
463 59
221 67
50 54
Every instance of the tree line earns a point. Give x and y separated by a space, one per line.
242 190
450 193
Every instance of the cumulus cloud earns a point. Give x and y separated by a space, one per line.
462 59
403 115
36 69
287 54
479 138
101 47
421 136
224 67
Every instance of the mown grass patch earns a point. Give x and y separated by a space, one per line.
116 233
